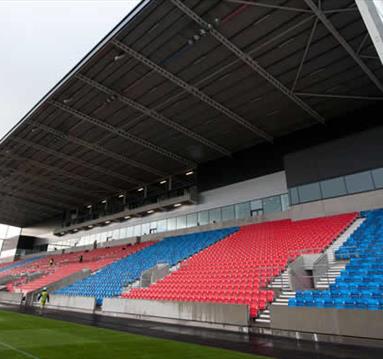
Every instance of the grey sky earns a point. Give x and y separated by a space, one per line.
41 41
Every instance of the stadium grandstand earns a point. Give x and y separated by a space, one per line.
213 164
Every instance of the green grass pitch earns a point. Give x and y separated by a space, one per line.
25 336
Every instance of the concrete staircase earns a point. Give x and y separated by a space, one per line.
332 273
335 267
264 318
330 251
280 282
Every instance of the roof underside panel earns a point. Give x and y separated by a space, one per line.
162 94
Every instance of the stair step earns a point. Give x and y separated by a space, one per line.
284 296
280 303
262 320
281 300
265 316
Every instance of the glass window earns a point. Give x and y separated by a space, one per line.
123 232
172 224
129 232
228 213
309 192
103 236
203 218
378 177
359 182
116 234
191 220
256 204
215 215
242 210
294 197
285 202
181 222
333 187
137 230
272 204
153 225
145 228
162 226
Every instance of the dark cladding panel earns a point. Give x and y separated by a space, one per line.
356 153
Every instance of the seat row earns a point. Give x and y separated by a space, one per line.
239 268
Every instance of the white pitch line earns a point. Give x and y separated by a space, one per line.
18 351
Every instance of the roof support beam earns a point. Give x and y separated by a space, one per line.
35 205
350 97
337 11
56 170
9 207
360 47
222 69
78 162
309 41
16 215
122 133
97 148
59 186
247 59
269 6
193 90
368 57
37 193
154 115
334 32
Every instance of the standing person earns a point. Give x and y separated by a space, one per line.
81 259
51 261
43 298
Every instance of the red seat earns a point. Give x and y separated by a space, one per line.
239 268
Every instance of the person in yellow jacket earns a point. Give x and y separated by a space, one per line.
43 298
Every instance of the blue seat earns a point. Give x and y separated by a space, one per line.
360 284
111 280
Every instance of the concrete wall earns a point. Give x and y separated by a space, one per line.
154 274
31 297
344 322
327 207
11 298
214 313
358 152
320 268
9 248
80 304
261 187
298 276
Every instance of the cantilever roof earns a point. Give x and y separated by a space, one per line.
179 83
